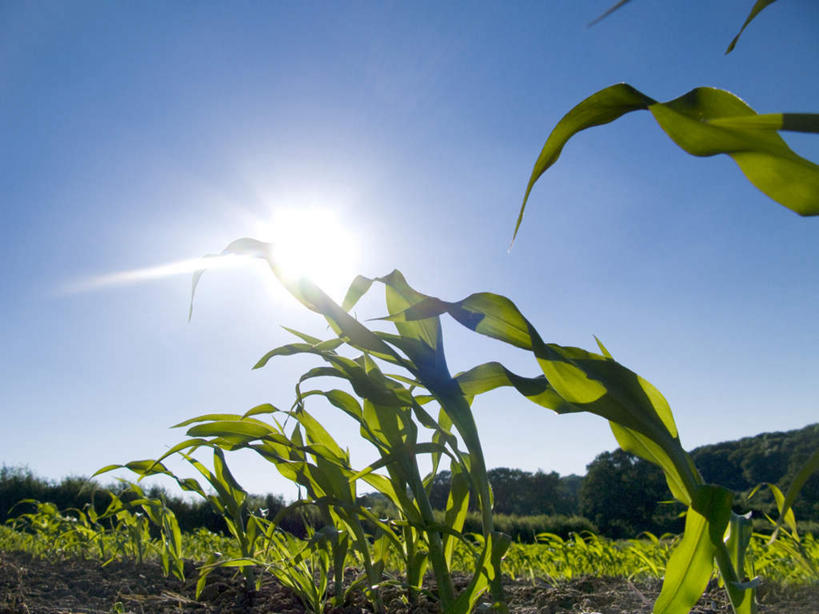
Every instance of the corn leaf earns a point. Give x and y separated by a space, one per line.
786 515
759 5
691 564
360 286
704 122
292 349
457 506
491 375
785 511
490 314
642 446
244 428
608 12
739 537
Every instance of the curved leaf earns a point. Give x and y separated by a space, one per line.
249 428
785 512
755 10
691 564
704 122
600 108
491 375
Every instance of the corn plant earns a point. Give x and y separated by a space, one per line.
577 380
553 558
53 531
304 566
228 501
571 380
784 538
388 417
312 459
703 122
157 512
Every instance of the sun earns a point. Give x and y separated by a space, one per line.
307 242
312 242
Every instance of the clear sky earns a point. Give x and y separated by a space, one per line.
137 134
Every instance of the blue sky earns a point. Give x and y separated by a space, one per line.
137 134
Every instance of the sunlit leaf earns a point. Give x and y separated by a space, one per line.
691 564
244 428
740 530
785 504
704 122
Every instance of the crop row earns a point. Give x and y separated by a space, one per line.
142 530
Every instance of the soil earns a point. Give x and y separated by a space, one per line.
34 586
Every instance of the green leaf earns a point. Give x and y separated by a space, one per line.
600 108
789 122
786 515
303 336
759 5
764 158
292 349
457 506
318 434
642 446
577 380
807 470
491 375
357 289
691 564
704 122
490 314
608 12
264 408
245 428
739 538
206 418
755 10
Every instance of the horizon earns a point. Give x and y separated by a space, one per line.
173 489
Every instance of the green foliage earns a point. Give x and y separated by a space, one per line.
18 483
640 418
397 377
390 413
229 500
704 122
519 492
757 8
122 531
572 380
525 529
621 495
776 458
620 492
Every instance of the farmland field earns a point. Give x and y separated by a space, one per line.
32 585
582 574
304 142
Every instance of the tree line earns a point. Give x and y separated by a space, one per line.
620 495
623 494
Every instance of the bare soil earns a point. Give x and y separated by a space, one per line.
34 586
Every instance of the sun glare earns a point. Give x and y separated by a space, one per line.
313 243
307 242
169 269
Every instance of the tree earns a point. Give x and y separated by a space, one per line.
621 492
